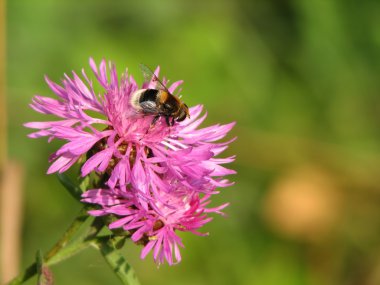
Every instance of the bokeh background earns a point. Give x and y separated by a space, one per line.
300 78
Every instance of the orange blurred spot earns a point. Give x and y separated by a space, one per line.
304 204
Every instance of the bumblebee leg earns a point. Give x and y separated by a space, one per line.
154 121
167 121
173 121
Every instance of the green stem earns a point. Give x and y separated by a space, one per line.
32 269
75 225
79 244
29 272
117 261
70 251
108 246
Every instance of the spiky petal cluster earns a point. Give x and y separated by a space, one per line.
156 179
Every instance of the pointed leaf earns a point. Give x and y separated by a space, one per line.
73 189
45 276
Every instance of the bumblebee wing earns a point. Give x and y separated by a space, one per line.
148 107
149 76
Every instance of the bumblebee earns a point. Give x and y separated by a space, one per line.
158 101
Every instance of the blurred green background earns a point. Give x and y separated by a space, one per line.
301 78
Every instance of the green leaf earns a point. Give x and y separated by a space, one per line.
69 251
73 189
39 261
45 276
84 183
117 261
59 252
68 235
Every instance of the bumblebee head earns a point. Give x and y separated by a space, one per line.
183 113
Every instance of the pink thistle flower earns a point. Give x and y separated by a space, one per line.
157 179
154 228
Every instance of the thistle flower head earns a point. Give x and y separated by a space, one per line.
158 179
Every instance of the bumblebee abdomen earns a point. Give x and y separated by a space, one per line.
148 95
